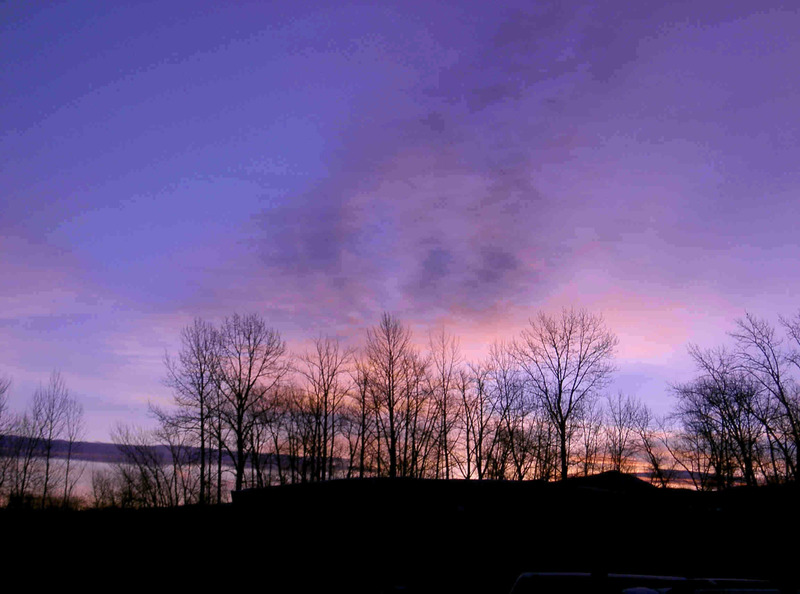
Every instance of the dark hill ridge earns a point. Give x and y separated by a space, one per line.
591 499
609 522
435 496
610 481
466 537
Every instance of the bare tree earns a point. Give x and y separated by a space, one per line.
651 435
218 436
387 354
478 418
763 356
251 365
419 421
73 433
106 488
278 420
158 468
26 469
50 408
620 430
193 379
362 415
264 415
445 358
717 414
5 430
31 466
5 385
324 370
516 412
143 477
590 429
567 360
299 433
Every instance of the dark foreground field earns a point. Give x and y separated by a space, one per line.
410 536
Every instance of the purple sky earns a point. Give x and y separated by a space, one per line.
461 164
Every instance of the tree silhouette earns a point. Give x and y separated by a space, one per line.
194 382
324 370
567 359
388 355
761 354
252 362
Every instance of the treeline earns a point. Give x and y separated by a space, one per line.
535 408
247 413
388 409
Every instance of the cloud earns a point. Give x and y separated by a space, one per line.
511 166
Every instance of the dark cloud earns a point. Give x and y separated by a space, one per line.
495 265
436 265
432 195
304 234
435 121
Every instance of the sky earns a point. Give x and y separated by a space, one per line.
462 165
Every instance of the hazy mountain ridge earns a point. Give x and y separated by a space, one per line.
90 451
110 453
